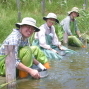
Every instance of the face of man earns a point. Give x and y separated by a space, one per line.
27 30
51 21
74 14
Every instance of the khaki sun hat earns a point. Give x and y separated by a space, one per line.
28 21
74 9
51 15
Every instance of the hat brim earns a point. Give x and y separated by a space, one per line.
72 12
20 24
45 18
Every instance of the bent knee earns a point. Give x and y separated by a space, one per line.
24 50
34 47
72 37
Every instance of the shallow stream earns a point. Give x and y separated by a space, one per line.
72 72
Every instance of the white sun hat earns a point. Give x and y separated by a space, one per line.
74 9
28 21
51 15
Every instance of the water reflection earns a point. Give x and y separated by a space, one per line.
70 73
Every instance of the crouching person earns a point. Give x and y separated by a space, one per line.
25 56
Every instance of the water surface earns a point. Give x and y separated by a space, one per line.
72 72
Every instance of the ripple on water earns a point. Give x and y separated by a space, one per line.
72 72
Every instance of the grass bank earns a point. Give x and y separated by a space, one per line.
33 8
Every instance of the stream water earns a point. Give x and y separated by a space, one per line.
72 72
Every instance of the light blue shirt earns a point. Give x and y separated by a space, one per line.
65 23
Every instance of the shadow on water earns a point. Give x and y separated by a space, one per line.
72 72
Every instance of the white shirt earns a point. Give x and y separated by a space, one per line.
44 29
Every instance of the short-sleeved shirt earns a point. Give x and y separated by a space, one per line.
16 39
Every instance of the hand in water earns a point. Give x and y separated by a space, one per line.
63 48
35 74
54 50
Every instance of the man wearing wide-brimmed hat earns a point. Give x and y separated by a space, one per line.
23 52
70 28
47 39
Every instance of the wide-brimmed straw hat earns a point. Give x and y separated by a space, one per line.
74 9
28 21
51 15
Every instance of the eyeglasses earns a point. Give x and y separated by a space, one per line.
52 21
29 27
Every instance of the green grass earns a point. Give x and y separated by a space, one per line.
33 8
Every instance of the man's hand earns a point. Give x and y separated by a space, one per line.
34 73
62 47
54 50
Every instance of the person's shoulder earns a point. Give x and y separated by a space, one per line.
41 26
15 31
15 34
53 27
67 18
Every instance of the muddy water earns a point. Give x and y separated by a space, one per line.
70 73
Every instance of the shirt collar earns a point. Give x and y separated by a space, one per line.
18 33
47 26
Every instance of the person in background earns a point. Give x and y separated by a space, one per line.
25 54
71 33
47 39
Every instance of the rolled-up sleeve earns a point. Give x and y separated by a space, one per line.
17 63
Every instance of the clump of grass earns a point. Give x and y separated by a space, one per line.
33 8
83 21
